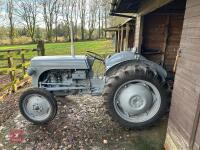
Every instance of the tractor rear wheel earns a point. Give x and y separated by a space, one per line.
135 98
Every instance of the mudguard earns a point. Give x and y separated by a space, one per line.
131 57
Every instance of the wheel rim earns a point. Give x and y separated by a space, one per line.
37 107
137 101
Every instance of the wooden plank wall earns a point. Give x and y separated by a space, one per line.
156 38
153 36
173 41
187 82
131 37
197 141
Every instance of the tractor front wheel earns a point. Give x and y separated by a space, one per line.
38 106
135 98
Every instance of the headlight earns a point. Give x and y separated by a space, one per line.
31 71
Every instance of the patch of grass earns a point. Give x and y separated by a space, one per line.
99 46
102 47
144 143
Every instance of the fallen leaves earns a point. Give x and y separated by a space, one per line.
81 123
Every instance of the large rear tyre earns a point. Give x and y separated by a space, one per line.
135 98
38 106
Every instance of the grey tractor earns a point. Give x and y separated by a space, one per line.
134 89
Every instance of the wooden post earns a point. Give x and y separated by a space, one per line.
40 48
116 41
165 40
122 37
178 55
127 36
138 33
195 126
12 72
118 46
23 63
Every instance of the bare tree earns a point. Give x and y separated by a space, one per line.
65 11
106 7
86 17
76 15
82 7
99 20
27 10
57 11
73 3
10 9
1 3
105 20
103 13
92 17
48 14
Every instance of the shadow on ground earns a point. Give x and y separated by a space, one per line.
81 123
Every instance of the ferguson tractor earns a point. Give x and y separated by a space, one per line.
134 89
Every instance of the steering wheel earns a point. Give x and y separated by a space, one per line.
95 56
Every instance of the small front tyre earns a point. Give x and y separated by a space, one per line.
38 106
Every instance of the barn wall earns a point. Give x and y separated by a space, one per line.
186 93
162 34
173 42
131 37
122 45
197 138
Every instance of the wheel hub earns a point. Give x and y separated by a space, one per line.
37 107
135 99
136 102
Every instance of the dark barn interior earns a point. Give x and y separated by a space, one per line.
159 34
162 33
167 32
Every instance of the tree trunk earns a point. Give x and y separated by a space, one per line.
11 36
99 23
102 34
105 22
82 30
56 28
90 35
10 16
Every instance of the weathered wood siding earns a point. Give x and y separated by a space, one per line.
138 32
187 82
162 33
173 41
131 37
197 138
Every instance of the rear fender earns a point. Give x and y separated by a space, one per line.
142 63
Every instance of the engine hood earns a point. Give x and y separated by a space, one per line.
67 62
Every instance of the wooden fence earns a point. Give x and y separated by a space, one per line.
14 64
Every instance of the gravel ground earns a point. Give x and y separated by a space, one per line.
4 79
81 123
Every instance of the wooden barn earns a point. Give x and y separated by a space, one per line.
165 29
124 35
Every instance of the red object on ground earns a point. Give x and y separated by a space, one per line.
16 135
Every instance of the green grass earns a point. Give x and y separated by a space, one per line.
99 46
102 47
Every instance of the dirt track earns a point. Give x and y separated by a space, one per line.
81 123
